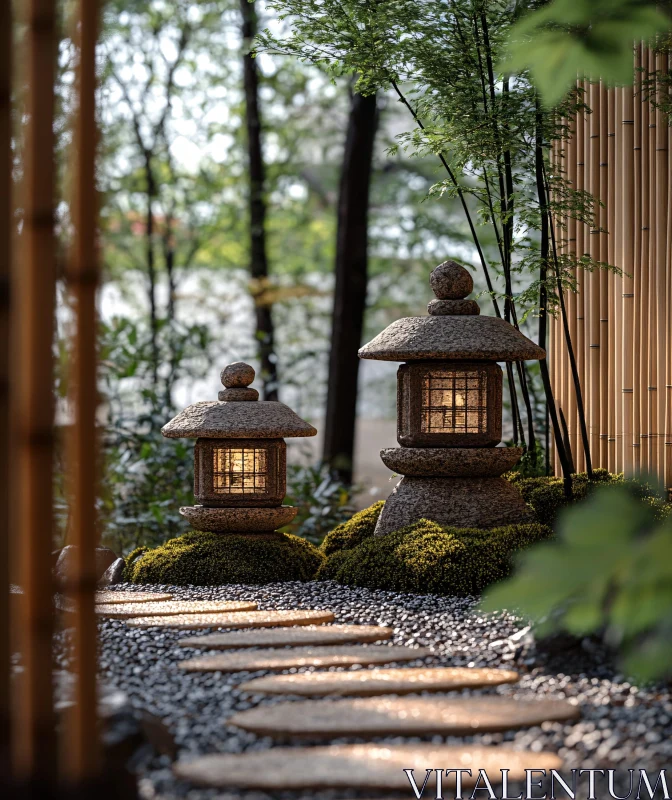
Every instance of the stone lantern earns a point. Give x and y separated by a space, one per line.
239 457
449 411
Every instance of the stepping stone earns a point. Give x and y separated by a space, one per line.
358 766
403 680
302 657
130 597
171 608
402 716
289 637
251 619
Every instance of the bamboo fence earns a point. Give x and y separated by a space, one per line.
618 151
41 756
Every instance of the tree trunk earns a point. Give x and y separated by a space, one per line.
151 268
350 288
265 332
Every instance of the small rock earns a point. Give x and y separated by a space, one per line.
104 559
113 574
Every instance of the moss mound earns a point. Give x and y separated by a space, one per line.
213 559
425 558
353 532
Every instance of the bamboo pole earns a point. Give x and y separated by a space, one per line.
618 288
569 395
611 278
627 264
593 328
668 332
654 321
644 267
35 742
579 456
662 311
602 278
553 349
81 756
636 265
5 354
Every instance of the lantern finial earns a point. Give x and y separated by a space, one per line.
451 283
236 379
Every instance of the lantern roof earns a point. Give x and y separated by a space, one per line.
454 328
238 414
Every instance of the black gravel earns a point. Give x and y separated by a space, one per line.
622 725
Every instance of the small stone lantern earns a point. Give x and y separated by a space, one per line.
449 411
239 457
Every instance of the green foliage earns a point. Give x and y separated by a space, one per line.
322 501
591 38
609 571
130 560
353 532
426 558
213 559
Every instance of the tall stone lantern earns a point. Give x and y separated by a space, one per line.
449 411
239 457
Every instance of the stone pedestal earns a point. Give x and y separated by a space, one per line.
238 520
459 487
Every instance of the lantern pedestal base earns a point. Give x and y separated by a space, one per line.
451 462
238 520
457 502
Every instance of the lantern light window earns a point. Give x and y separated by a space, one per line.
454 401
239 470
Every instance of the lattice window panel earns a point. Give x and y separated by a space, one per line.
454 401
241 470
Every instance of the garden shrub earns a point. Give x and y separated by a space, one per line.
425 558
213 559
353 532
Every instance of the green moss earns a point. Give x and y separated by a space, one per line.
353 532
213 559
130 559
425 558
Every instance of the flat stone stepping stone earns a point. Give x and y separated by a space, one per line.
250 619
130 597
358 766
289 637
401 680
302 657
171 608
402 716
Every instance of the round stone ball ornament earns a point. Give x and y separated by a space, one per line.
239 456
449 411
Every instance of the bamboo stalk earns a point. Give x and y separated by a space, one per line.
568 398
611 278
662 311
593 281
35 742
618 288
668 331
603 279
579 456
81 756
5 354
644 266
636 266
627 265
654 321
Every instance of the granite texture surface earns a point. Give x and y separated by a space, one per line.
452 462
458 502
451 337
451 281
164 608
307 636
401 716
265 419
234 621
240 395
238 374
238 520
449 308
366 766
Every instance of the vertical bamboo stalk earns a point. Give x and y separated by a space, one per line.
579 456
5 352
611 279
603 279
627 264
644 266
593 171
618 288
569 395
553 350
35 752
638 375
654 322
662 312
81 754
668 330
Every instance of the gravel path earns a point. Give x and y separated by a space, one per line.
622 726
